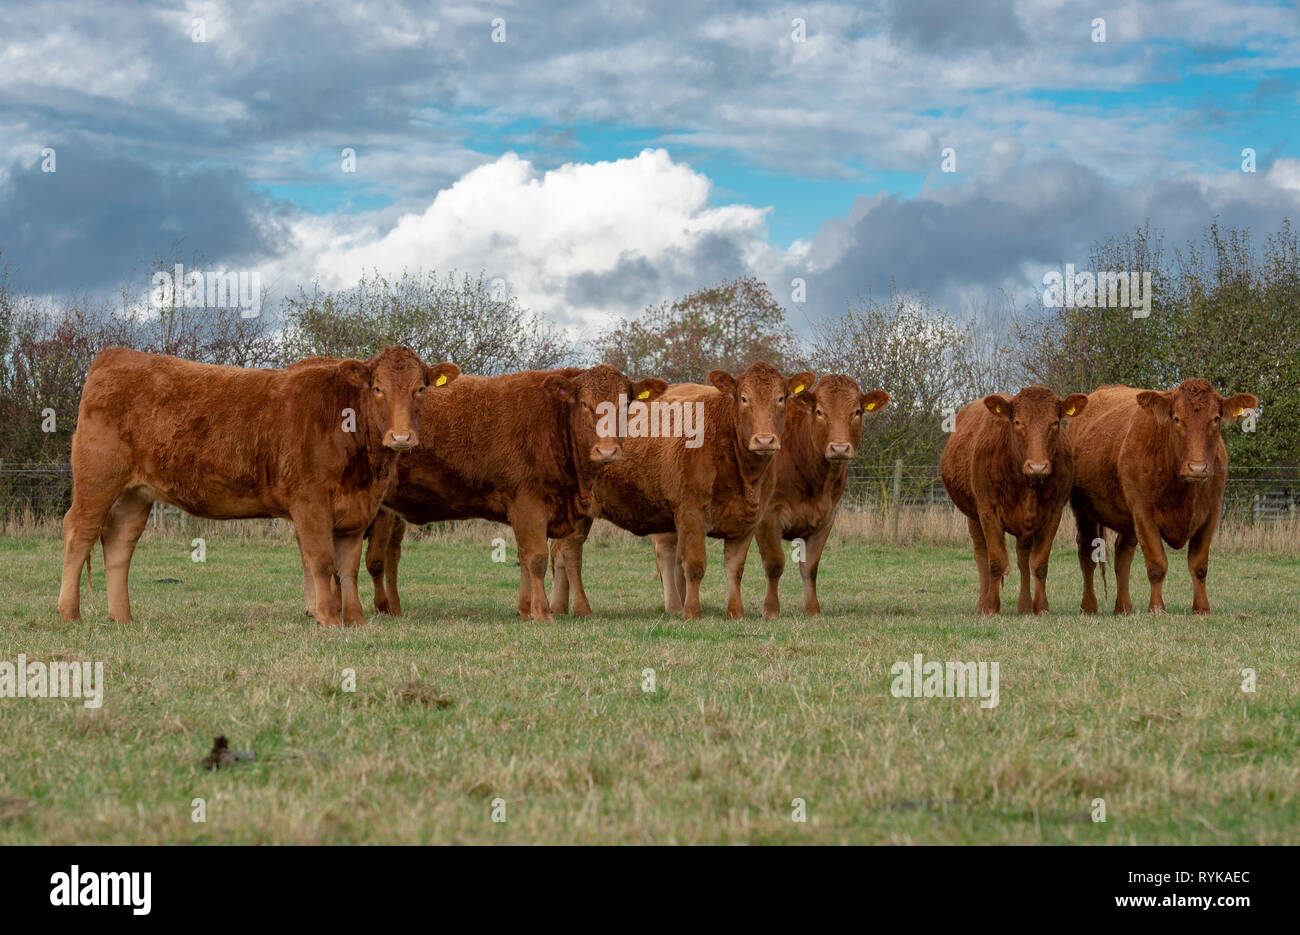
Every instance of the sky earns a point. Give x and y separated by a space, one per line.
600 157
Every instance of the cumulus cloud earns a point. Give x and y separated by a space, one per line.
581 243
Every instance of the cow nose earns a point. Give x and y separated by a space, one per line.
401 440
1196 469
605 453
839 452
1038 468
763 444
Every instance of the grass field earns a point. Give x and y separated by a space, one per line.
458 704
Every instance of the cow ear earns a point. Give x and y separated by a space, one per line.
649 388
441 374
561 387
999 405
874 401
1161 406
1072 405
800 383
355 372
1237 407
723 381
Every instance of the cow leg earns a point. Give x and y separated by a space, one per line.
347 559
559 578
734 552
1024 603
691 546
679 573
92 498
995 537
392 559
1125 548
768 537
1040 553
1087 531
1198 563
126 520
813 547
568 565
529 521
665 546
1153 551
316 540
381 528
981 557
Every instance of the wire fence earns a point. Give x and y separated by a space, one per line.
1252 495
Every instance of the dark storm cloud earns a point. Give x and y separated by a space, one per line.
98 220
955 25
1013 229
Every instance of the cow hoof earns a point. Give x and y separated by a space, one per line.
582 610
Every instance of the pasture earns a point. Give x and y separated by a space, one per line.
459 707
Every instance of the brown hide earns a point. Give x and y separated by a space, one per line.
1008 466
229 443
1152 466
719 489
521 448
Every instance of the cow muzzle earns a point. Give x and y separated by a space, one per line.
1038 468
1196 471
606 452
401 441
764 444
839 452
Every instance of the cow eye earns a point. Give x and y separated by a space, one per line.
780 399
378 391
857 412
1216 420
1176 419
820 413
744 399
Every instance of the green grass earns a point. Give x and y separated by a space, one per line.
458 703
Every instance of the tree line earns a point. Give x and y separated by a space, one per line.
1223 307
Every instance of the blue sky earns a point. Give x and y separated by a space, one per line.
608 156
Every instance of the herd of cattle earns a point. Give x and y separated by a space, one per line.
350 449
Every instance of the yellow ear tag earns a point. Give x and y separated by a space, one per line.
1239 412
999 410
442 379
798 389
870 406
644 394
1070 411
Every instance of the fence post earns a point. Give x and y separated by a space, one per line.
896 500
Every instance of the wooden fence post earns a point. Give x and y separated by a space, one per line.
897 499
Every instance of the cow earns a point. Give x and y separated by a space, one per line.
315 444
822 433
719 489
1152 466
521 448
1008 466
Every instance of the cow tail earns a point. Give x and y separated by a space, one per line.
1105 585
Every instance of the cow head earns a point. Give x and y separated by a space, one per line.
590 397
1034 415
838 408
393 385
1191 415
759 397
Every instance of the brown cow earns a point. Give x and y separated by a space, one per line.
822 434
314 444
522 448
1008 466
1152 466
719 489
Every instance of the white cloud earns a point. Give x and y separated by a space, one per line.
541 230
